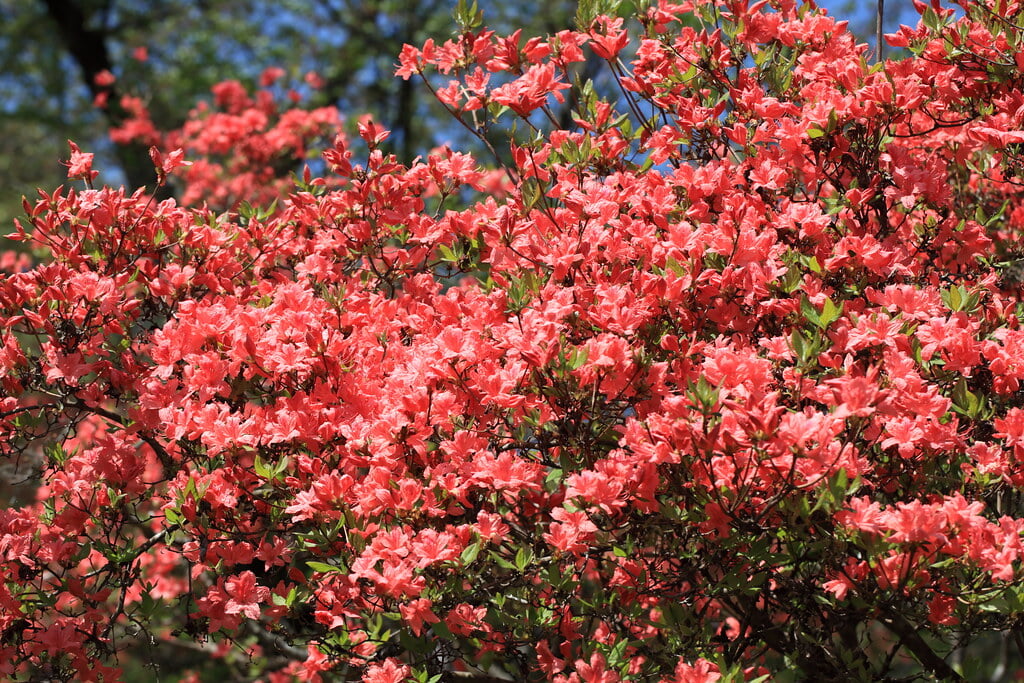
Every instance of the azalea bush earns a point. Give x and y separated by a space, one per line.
711 371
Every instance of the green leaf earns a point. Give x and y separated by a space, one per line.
618 652
56 454
466 16
705 394
674 267
577 357
839 483
967 403
447 254
441 629
501 561
791 280
586 12
411 643
809 311
830 313
469 554
281 466
797 343
954 297
173 516
531 192
523 559
260 468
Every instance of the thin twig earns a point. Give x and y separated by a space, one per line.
878 30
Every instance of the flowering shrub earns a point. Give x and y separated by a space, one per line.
723 383
241 145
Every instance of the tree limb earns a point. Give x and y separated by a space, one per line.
88 47
907 632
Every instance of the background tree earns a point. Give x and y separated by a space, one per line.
52 51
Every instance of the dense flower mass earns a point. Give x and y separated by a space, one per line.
716 375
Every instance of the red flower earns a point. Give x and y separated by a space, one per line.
80 164
244 595
390 671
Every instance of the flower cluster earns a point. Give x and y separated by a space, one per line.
243 146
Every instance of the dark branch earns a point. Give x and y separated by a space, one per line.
88 47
